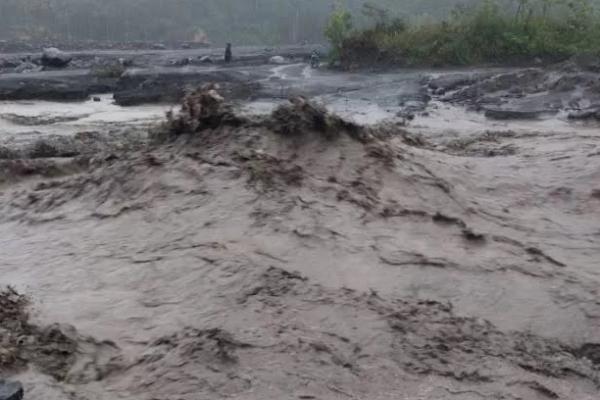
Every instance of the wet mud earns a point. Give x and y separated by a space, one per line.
48 348
570 87
139 76
300 255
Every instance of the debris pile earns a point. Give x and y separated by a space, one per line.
202 109
301 116
205 109
22 343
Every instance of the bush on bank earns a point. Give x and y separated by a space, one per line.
496 31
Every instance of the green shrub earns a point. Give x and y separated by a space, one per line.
491 32
338 29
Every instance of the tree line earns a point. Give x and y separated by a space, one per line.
489 31
217 21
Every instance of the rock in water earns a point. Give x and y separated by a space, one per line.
508 114
53 57
11 390
26 67
587 114
182 62
206 60
125 62
8 63
277 60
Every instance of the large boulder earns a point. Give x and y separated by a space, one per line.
53 57
64 85
8 63
522 113
182 62
592 113
125 62
11 390
279 60
449 82
26 66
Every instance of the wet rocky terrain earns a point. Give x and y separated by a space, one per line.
135 76
433 236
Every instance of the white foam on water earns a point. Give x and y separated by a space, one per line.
70 118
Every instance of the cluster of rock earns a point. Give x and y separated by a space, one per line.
529 93
50 58
11 390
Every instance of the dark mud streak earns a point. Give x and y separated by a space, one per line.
22 343
416 259
539 253
537 387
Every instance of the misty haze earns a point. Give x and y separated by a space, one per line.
299 199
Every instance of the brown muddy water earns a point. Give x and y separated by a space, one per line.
454 259
25 120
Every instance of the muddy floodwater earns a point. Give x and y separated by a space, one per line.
426 249
27 120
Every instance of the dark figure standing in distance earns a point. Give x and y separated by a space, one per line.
315 59
228 53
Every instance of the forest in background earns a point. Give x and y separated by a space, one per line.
214 21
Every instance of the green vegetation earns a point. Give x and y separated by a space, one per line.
414 31
338 29
260 22
495 31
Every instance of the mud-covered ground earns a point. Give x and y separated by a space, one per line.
140 76
446 252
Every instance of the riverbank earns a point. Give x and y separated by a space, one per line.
492 32
140 76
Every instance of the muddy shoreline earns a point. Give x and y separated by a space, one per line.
23 77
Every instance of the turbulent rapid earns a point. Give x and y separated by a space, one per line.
433 253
